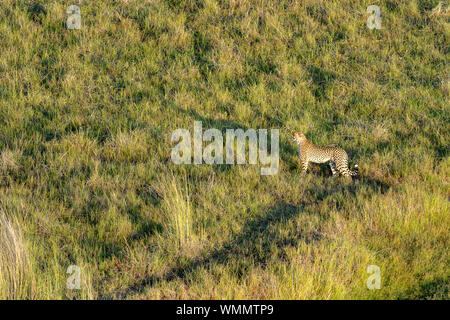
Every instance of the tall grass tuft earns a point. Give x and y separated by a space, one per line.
178 212
16 278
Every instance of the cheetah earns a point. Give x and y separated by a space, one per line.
311 153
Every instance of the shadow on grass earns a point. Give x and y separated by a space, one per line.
374 183
323 170
252 245
437 289
322 80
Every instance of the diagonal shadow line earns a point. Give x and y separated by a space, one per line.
254 242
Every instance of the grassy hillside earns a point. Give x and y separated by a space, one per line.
86 178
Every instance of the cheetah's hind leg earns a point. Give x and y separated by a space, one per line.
333 168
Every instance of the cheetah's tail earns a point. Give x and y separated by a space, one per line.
355 172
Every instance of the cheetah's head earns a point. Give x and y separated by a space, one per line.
298 137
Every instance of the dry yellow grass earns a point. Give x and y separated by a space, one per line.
16 276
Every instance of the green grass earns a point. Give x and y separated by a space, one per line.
86 178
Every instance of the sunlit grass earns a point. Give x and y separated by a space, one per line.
16 278
86 177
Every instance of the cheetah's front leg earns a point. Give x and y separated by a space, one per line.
304 166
